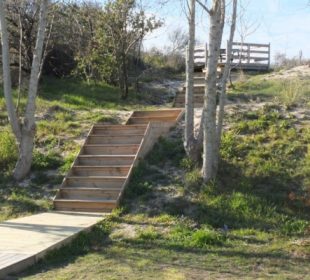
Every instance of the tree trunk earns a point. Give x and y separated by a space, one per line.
217 15
189 140
19 61
125 78
223 83
7 84
23 164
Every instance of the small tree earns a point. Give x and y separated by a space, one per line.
125 26
192 143
24 128
223 82
212 124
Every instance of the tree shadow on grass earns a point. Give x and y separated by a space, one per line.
83 95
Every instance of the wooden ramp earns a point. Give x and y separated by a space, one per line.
94 185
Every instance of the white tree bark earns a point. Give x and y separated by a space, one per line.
20 27
189 88
226 73
217 16
7 84
23 164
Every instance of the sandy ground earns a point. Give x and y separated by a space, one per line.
301 72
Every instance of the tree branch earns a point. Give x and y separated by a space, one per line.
204 7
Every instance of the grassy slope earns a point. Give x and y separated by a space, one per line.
288 91
66 109
253 222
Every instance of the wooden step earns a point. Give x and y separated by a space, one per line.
182 105
94 181
89 193
100 170
114 139
106 160
90 205
157 113
140 120
181 98
117 149
118 130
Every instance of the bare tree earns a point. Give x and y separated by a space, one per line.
224 79
178 39
23 129
217 19
189 140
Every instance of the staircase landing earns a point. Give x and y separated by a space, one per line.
24 241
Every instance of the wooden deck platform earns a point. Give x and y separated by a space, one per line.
24 241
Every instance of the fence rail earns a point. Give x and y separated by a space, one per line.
245 56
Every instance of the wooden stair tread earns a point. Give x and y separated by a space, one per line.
101 166
124 126
86 200
96 177
115 156
109 145
90 189
115 136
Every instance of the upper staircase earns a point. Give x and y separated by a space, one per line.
104 164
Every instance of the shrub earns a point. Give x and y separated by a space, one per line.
45 161
193 179
292 92
167 149
8 150
204 237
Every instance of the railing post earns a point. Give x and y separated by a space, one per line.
249 54
268 56
206 56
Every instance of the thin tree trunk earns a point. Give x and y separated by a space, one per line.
217 15
23 164
45 47
226 73
124 78
19 62
189 140
7 84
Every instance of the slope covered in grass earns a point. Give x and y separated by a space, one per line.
66 109
252 222
286 86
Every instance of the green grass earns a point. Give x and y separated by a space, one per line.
66 109
251 223
290 91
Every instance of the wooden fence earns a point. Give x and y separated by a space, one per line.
245 56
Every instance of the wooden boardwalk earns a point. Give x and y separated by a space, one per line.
94 184
24 241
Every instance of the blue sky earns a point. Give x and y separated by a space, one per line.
283 23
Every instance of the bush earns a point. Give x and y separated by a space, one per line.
292 92
45 161
167 149
193 179
8 151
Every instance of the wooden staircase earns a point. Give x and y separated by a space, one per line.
199 90
103 167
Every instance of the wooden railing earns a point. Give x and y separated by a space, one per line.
245 56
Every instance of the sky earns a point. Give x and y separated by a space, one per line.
285 24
